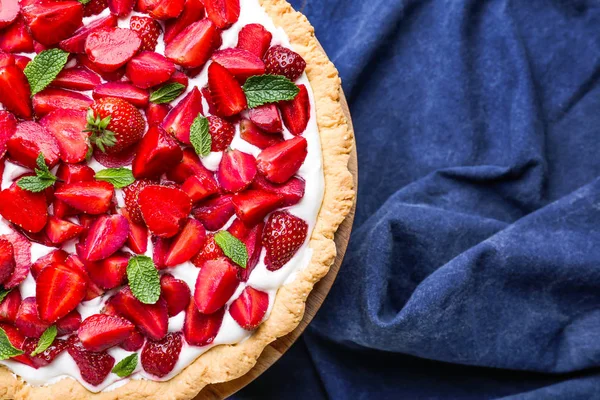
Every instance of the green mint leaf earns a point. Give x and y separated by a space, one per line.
84 2
7 350
41 163
126 366
35 184
4 293
42 70
233 248
264 89
118 177
167 93
200 136
45 341
143 279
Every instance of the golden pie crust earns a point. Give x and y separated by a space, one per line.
227 362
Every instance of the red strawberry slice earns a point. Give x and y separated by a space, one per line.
8 127
226 93
131 199
253 242
116 159
16 38
25 209
241 63
176 293
280 60
280 162
193 46
186 244
51 22
200 187
137 240
76 43
159 251
267 118
94 7
6 59
121 7
107 235
236 171
29 140
57 256
193 11
28 320
255 136
19 341
212 109
111 48
38 47
110 272
255 39
292 191
68 127
189 165
157 153
100 332
296 113
250 308
156 113
216 283
252 206
7 259
201 329
147 29
69 324
164 209
221 133
238 229
122 90
94 367
180 119
21 61
149 69
151 319
59 290
77 78
52 99
22 249
10 306
134 342
89 197
210 251
284 235
214 213
59 231
223 13
166 9
15 92
179 77
108 76
159 358
8 12
47 356
70 173
73 261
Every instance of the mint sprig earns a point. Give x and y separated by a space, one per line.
167 93
200 136
264 89
143 279
44 68
126 366
118 177
42 180
233 248
7 350
45 341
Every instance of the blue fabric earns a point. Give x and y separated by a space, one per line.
474 267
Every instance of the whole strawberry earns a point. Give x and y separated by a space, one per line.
282 61
221 132
115 124
159 358
284 234
94 7
148 30
131 199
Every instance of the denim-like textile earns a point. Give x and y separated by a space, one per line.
474 267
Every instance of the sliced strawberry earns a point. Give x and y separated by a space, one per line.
151 319
29 140
70 173
108 76
89 197
176 293
159 358
164 209
160 247
10 306
21 61
57 256
250 308
267 118
38 47
223 13
25 209
200 187
214 213
7 259
47 356
156 113
51 22
148 69
221 132
111 48
181 117
122 90
94 7
241 63
134 342
280 60
252 206
15 92
193 11
68 127
137 240
77 78
225 91
73 261
117 159
157 153
22 249
110 272
8 12
121 8
238 229
201 329
255 136
28 320
283 236
59 290
179 77
76 43
52 99
210 251
216 283
236 171
131 199
292 191
193 46
253 242
186 244
16 38
147 29
255 39
59 231
18 341
94 367
100 332
296 113
189 165
8 127
68 324
280 162
107 235
6 59
166 9
212 109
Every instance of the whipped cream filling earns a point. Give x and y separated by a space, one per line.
64 367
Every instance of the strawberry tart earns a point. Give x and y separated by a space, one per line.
172 174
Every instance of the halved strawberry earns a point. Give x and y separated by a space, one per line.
186 244
51 22
200 187
107 235
111 48
94 7
180 118
159 358
156 113
121 8
69 323
116 160
216 283
109 272
8 127
189 165
77 78
57 256
193 46
7 259
148 69
76 43
59 231
255 39
137 240
166 9
131 199
18 341
210 251
16 38
283 236
29 140
296 113
292 191
201 329
89 197
193 11
280 60
160 247
94 367
236 171
221 133
164 209
252 206
21 61
22 249
241 63
267 118
10 306
111 76
59 290
15 92
176 293
70 173
223 13
151 319
255 136
8 12
280 162
250 308
6 59
52 99
253 242
179 77
100 332
134 342
38 47
68 127
238 229
214 213
27 319
157 153
147 29
212 109
226 92
47 356
122 90
74 261
25 209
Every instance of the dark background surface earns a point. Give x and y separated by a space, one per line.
474 267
